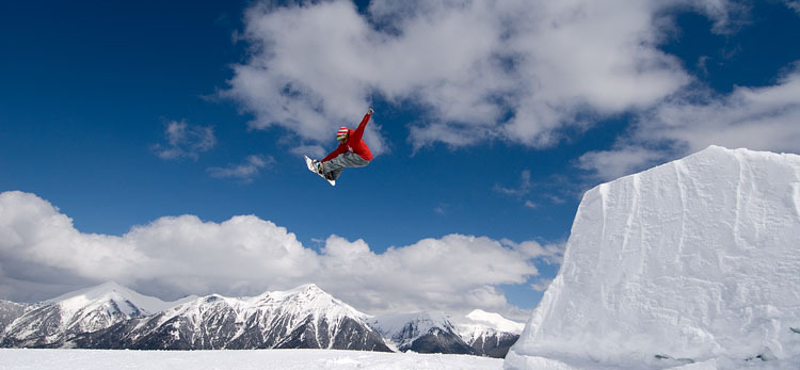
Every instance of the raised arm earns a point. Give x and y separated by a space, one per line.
359 132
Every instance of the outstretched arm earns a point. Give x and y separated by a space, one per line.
359 132
333 154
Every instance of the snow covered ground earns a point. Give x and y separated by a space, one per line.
297 359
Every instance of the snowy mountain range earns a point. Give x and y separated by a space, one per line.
111 316
479 333
54 322
304 317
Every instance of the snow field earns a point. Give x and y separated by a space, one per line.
308 359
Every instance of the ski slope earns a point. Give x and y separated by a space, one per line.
309 359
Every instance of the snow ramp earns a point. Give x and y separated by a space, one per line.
694 264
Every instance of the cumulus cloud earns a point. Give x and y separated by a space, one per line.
240 255
516 70
760 118
451 273
763 118
618 162
180 254
42 254
185 141
793 4
520 71
549 253
244 172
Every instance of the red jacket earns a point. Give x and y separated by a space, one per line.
354 143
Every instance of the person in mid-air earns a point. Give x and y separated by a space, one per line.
351 152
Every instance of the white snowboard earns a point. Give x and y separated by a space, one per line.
310 165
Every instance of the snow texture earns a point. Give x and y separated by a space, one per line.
240 360
694 265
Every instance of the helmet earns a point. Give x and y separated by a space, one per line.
342 133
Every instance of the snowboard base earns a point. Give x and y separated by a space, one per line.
310 165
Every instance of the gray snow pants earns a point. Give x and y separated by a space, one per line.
333 168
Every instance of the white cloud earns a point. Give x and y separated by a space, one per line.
515 70
241 255
178 254
244 171
793 4
615 163
451 273
41 252
541 284
185 141
549 253
762 118
520 71
34 231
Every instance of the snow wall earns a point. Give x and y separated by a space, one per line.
694 264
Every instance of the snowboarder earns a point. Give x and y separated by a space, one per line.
351 152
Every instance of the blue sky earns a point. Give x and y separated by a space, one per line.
491 119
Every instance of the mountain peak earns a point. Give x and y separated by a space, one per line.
495 321
85 310
93 293
411 324
127 300
304 293
424 331
307 288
